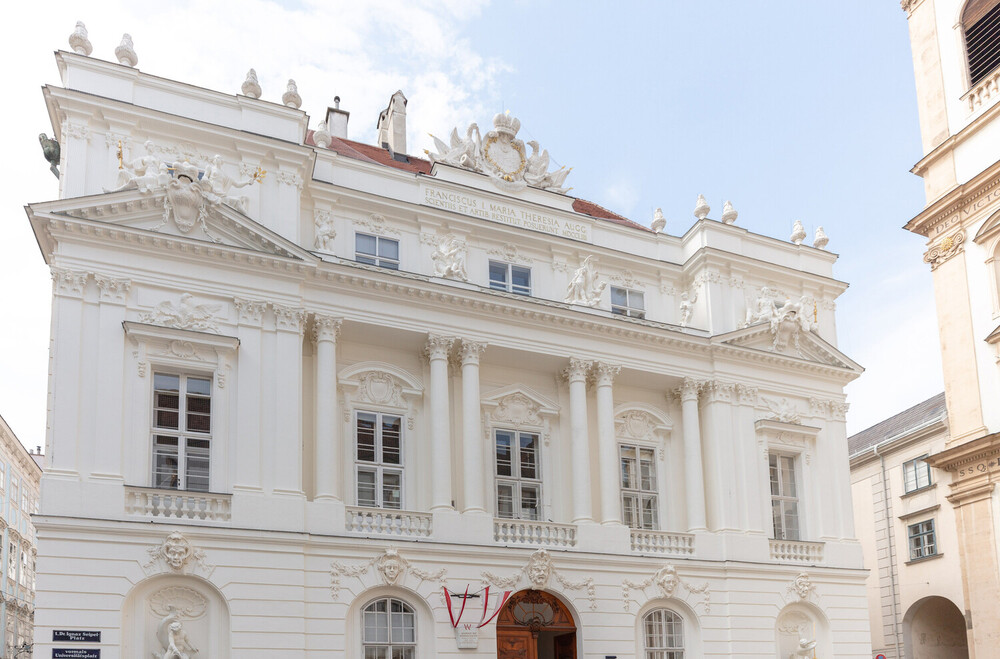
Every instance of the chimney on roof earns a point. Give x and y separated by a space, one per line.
392 124
336 119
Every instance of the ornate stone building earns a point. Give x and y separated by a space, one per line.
20 472
956 59
304 389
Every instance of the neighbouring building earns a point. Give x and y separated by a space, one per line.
20 472
956 59
907 530
303 388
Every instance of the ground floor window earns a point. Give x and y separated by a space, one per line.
389 630
664 635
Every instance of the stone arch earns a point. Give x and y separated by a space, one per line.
201 609
425 628
934 628
801 620
408 380
692 624
562 631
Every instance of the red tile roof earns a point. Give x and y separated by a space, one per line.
379 156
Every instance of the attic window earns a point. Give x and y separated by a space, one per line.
981 19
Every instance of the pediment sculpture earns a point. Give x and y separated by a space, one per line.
501 156
787 320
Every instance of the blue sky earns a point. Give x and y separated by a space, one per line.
789 109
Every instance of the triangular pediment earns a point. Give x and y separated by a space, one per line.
807 346
153 213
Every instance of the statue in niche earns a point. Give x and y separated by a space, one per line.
584 288
806 648
687 307
325 232
449 259
172 637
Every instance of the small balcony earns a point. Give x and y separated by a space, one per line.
796 551
519 532
662 542
985 89
397 523
178 504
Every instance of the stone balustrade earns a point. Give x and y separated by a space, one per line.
796 551
148 502
662 542
379 521
525 532
979 95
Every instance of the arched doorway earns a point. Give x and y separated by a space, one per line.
934 628
535 625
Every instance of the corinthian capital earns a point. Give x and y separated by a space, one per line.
70 283
689 389
438 346
471 351
326 328
289 318
577 370
606 373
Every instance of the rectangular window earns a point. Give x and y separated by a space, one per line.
12 562
519 480
916 474
379 455
639 500
182 428
922 540
509 277
626 302
3 475
784 497
376 250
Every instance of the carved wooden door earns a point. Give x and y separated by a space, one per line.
566 646
515 644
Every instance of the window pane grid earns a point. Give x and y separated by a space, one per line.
916 474
664 635
376 250
519 490
627 302
509 277
922 540
379 458
784 498
389 630
638 485
181 458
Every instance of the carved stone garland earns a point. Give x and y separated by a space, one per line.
390 567
539 571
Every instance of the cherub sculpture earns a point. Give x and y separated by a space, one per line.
172 637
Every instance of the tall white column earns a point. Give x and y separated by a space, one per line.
437 353
472 441
287 440
607 447
108 440
328 468
576 376
694 477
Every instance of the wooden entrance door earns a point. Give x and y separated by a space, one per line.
566 646
516 644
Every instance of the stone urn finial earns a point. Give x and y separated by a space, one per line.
701 208
729 213
250 86
321 136
291 96
659 222
79 42
820 240
126 53
798 233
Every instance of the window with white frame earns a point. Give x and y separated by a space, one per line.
12 561
376 250
519 479
379 454
663 631
182 431
509 277
784 497
389 630
626 302
923 543
638 474
916 474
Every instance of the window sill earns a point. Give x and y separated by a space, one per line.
923 559
917 491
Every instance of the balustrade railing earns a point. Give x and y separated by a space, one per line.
983 91
378 521
796 551
178 504
662 542
525 532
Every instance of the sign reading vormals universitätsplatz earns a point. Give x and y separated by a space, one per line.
76 653
498 211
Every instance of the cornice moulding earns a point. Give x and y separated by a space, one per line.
156 332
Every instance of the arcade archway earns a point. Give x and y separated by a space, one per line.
934 628
535 625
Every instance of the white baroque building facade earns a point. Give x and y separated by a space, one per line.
301 385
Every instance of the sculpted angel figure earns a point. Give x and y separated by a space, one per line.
449 259
172 637
143 173
584 288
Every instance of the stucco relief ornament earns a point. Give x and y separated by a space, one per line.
687 307
325 232
79 42
185 315
390 566
449 258
517 409
183 601
782 410
584 288
944 250
173 639
802 586
539 569
177 554
380 388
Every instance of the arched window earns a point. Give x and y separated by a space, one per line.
664 632
981 22
389 630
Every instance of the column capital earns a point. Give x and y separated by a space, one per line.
251 312
470 351
747 394
577 370
438 346
112 289
68 283
689 389
605 373
716 391
290 319
326 328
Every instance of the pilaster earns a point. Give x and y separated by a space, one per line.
607 448
474 499
694 475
